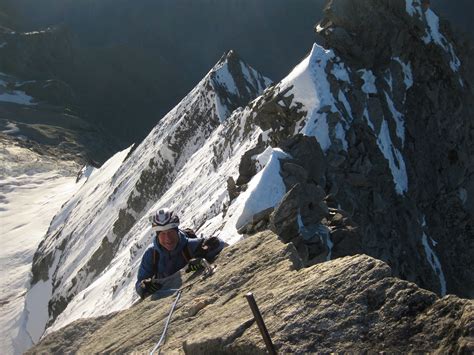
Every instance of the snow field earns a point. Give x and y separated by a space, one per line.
27 204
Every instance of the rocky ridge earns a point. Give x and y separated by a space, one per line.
389 173
348 304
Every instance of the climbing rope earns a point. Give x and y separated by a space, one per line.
208 271
165 330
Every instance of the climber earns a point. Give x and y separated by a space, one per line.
172 250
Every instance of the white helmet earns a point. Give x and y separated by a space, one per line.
164 219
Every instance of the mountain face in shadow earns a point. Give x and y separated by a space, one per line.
134 60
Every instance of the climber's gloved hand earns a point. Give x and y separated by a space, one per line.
150 285
195 265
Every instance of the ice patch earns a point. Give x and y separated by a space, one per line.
3 44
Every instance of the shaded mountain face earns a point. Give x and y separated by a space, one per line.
29 119
134 61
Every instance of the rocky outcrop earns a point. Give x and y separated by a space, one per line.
349 304
437 148
393 151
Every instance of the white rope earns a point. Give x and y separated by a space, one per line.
208 271
163 335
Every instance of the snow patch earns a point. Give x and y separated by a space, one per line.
435 264
407 72
252 77
413 8
342 98
389 80
394 158
263 158
369 122
341 135
12 128
309 84
37 308
434 35
399 119
32 189
225 78
340 72
369 81
265 190
17 97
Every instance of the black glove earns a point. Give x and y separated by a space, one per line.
195 265
150 285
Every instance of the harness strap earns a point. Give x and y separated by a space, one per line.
156 257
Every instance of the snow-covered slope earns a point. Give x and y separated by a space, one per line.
102 229
32 189
360 110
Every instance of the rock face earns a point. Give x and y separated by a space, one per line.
37 55
390 108
348 304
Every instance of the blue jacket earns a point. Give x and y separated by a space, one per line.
169 261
